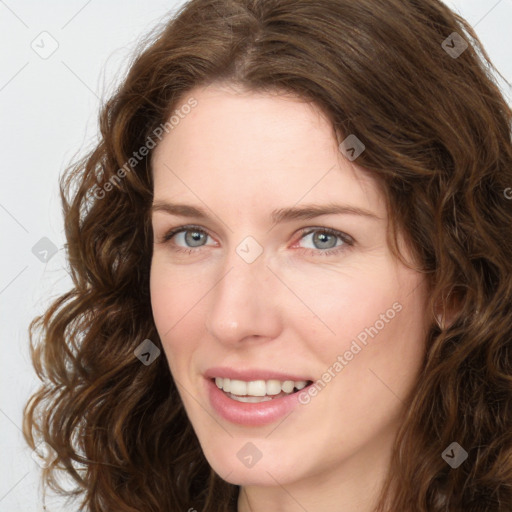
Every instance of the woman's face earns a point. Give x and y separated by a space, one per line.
252 290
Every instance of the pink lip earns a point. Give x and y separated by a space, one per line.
250 414
250 374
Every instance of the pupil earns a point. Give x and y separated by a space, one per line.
323 237
196 236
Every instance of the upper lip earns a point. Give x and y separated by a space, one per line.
250 374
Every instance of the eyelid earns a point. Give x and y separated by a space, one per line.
174 231
347 239
331 231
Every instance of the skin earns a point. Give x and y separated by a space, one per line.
294 309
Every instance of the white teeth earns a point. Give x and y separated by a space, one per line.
273 387
287 386
238 387
250 399
258 388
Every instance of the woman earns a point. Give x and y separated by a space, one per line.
214 354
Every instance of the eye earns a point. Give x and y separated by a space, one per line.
326 238
194 237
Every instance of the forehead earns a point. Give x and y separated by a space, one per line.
254 151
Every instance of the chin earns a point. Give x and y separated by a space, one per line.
234 465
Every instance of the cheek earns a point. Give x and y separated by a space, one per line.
373 320
162 300
175 307
336 307
173 294
383 349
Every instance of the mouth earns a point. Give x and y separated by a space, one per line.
257 391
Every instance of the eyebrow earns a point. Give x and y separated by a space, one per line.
308 211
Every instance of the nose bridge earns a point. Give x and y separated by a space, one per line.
242 302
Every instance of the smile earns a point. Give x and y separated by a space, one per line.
256 391
253 402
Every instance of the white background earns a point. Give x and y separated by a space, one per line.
49 113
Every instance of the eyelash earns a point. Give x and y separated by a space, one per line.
348 241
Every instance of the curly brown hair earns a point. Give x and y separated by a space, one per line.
437 132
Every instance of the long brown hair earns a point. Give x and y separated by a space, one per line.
437 136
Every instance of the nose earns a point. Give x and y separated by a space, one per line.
244 303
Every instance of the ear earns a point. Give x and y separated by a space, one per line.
446 310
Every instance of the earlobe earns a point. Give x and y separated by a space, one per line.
446 310
441 322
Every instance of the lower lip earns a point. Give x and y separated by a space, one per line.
245 413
